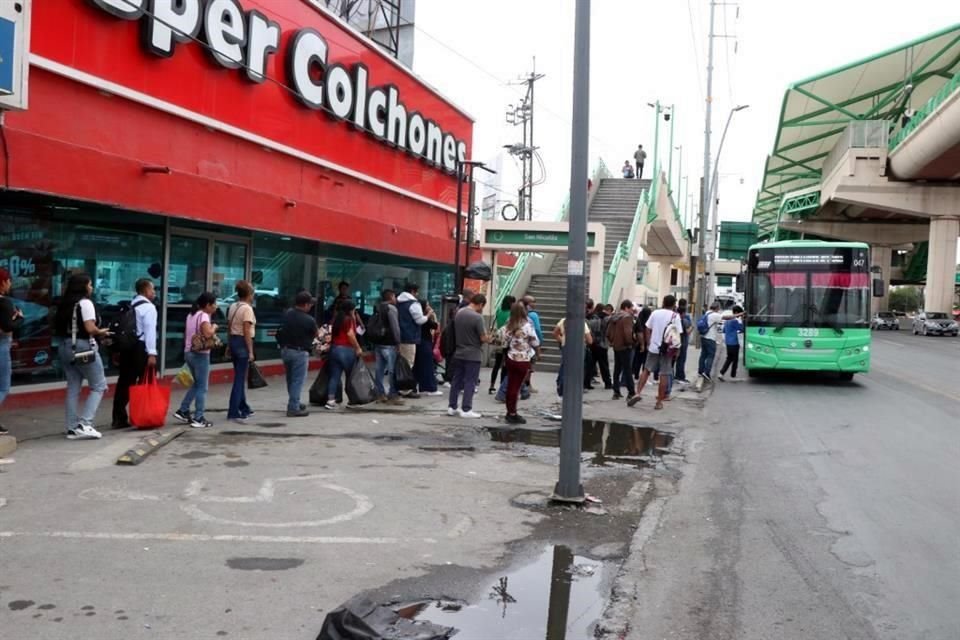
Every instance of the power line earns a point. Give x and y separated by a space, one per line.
696 52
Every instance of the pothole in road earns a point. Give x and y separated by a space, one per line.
611 443
558 595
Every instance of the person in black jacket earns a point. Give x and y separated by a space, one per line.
296 336
386 349
10 319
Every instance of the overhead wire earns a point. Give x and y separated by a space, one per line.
696 52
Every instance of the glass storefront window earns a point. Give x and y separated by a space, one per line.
42 245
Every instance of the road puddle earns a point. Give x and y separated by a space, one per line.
559 596
610 442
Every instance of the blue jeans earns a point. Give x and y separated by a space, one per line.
681 366
75 374
386 365
241 363
199 365
708 351
341 361
465 376
6 366
295 366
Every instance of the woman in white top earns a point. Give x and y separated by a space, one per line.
197 357
520 340
77 326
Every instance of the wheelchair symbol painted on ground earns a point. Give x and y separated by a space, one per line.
194 502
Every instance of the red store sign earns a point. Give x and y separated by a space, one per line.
279 73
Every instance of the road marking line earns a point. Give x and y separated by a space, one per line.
200 537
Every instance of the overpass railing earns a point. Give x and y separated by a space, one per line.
508 283
924 112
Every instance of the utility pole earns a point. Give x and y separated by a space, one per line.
704 188
522 114
569 489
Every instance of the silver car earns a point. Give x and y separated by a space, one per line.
885 320
935 323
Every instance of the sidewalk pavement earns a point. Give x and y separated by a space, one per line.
270 405
201 538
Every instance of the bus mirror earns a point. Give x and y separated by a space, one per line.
879 288
741 284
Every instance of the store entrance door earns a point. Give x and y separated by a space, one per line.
200 262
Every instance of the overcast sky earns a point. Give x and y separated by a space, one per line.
645 50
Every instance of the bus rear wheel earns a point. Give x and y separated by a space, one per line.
846 376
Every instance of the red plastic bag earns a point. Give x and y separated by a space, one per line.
149 402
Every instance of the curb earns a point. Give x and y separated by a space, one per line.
148 446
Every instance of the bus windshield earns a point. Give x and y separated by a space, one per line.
806 289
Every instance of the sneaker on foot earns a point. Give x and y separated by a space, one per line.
200 423
3 430
706 376
470 414
617 396
240 420
515 419
397 402
433 393
83 432
182 416
330 406
452 412
720 378
302 413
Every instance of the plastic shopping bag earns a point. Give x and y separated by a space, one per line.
149 402
184 376
255 379
361 388
406 381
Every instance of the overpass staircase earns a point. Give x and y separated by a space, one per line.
614 204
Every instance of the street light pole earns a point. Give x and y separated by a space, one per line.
713 200
704 188
569 488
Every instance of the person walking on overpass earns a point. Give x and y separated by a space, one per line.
639 158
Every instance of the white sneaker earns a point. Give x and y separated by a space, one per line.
433 393
83 432
721 378
452 412
446 384
470 414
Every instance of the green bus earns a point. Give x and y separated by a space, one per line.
807 307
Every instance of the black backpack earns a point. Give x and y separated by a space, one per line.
124 328
378 327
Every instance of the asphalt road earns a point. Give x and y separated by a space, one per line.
816 509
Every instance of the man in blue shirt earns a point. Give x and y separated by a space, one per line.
732 328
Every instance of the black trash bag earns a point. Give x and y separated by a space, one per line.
406 381
255 379
478 271
360 619
361 389
318 390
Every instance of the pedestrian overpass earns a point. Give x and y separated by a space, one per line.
871 152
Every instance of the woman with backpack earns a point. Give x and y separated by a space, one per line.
345 349
77 325
241 326
521 342
199 336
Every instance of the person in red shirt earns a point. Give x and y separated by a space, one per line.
344 350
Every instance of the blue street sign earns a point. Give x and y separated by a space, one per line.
8 32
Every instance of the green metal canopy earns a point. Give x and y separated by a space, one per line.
816 111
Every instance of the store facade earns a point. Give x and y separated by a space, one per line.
198 143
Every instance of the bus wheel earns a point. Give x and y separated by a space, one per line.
846 376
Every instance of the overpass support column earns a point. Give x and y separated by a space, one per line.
941 264
881 256
663 280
